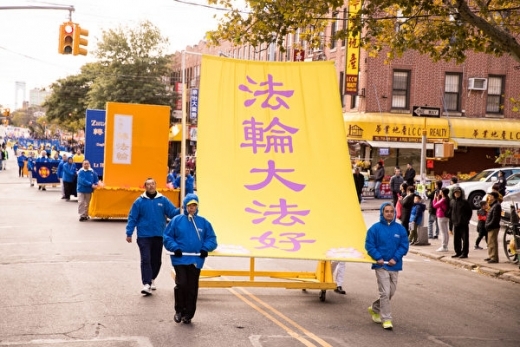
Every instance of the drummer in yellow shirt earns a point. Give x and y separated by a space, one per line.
78 157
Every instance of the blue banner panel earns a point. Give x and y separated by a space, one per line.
46 173
95 139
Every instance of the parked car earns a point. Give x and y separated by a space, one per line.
475 187
513 183
510 199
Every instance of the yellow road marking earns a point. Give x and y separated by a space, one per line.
290 321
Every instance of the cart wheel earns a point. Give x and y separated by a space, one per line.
323 294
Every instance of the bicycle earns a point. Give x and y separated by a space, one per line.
511 237
509 234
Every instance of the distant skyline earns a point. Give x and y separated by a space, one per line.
29 38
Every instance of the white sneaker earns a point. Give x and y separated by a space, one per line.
146 290
152 286
442 249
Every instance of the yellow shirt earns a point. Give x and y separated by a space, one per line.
78 158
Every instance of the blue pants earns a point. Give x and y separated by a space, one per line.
432 219
151 254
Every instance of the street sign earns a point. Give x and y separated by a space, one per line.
424 111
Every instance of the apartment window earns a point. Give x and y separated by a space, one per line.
495 94
401 89
344 41
333 29
452 91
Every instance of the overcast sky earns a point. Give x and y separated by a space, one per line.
29 38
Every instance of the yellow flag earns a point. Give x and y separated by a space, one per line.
273 169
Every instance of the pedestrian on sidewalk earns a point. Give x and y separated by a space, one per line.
189 237
395 185
416 217
493 226
387 243
441 204
432 212
409 175
481 224
148 215
406 207
461 212
379 176
359 182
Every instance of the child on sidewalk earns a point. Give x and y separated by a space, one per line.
416 218
481 225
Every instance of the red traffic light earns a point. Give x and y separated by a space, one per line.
66 39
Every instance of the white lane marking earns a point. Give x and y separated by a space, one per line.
140 340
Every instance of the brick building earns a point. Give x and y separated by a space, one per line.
472 97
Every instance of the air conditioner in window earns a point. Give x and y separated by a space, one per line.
477 84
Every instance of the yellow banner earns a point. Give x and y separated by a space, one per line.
136 144
273 167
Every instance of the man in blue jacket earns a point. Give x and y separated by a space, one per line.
59 173
87 181
189 182
148 214
387 243
189 237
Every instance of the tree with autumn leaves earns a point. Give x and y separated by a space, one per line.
443 29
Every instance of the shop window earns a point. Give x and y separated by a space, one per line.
452 89
401 89
495 93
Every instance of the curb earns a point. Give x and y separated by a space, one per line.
508 275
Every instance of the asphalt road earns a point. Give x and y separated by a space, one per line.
66 283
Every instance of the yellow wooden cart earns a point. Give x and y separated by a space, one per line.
321 279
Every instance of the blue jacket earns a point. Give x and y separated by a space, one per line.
170 178
86 178
190 234
69 172
387 241
30 163
59 172
21 159
149 215
189 183
417 213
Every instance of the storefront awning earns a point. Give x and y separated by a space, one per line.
394 128
484 143
393 144
478 132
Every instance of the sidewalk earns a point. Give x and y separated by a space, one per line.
475 261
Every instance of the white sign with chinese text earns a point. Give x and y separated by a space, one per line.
122 151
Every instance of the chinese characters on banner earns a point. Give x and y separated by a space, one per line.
272 159
95 139
122 151
194 103
352 55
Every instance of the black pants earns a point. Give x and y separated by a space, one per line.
151 255
395 197
461 239
186 289
482 234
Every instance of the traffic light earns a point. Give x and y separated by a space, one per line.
80 43
6 112
66 38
